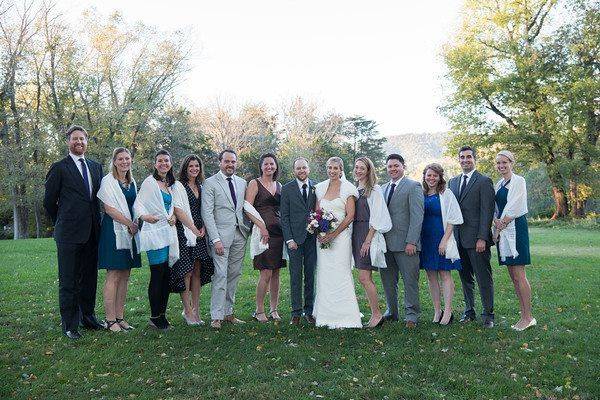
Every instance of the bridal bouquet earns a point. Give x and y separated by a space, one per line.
322 222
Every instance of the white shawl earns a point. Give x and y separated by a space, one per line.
110 194
450 215
516 206
346 189
160 234
181 201
256 245
380 220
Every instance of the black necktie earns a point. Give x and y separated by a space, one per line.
86 180
232 191
464 185
304 192
391 193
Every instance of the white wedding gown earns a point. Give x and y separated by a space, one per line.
335 299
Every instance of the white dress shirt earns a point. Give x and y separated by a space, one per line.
468 175
300 183
78 164
392 182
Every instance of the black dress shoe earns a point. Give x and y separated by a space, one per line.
73 335
488 324
389 317
466 318
310 319
90 322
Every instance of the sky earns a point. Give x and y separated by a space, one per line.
380 59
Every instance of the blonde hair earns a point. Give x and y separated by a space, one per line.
338 161
115 173
507 154
371 177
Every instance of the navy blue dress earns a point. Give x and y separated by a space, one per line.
522 231
108 255
431 236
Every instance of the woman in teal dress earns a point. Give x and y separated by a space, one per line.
511 233
118 193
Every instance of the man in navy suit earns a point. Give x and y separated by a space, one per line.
297 202
70 199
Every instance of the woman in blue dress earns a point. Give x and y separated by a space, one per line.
511 233
117 252
158 235
439 251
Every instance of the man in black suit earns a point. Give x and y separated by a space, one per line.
475 194
297 202
70 199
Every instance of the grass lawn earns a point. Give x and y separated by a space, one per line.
559 359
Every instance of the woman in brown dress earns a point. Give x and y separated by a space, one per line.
264 193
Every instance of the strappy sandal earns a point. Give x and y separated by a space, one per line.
108 325
256 314
277 319
127 328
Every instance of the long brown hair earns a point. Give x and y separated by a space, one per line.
437 168
115 173
170 178
183 177
371 177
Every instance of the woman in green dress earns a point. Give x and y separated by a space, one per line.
117 251
511 233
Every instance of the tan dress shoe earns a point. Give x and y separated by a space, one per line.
411 324
295 321
233 320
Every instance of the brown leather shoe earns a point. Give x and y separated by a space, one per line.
295 321
411 324
233 320
215 324
310 319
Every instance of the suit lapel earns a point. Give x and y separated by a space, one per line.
225 186
469 185
397 188
77 176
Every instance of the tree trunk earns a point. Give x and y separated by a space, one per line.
20 215
577 205
38 220
561 205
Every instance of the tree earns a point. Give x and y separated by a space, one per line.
362 139
522 83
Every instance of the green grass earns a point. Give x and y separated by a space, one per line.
558 359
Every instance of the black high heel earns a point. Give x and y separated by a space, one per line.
449 321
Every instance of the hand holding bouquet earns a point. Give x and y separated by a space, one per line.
322 222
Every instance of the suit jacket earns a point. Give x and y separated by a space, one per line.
477 207
74 213
220 217
406 210
295 211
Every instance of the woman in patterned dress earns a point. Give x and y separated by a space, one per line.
194 267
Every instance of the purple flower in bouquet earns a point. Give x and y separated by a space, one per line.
321 223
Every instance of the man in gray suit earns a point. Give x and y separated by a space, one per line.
222 212
475 194
297 201
404 198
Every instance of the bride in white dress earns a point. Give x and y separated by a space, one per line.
335 300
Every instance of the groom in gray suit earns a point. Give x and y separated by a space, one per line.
222 212
404 198
475 194
297 201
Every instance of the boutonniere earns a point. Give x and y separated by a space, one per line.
312 189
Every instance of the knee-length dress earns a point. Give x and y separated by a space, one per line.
522 231
360 230
267 206
189 254
108 256
431 236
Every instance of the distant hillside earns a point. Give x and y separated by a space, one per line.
420 149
